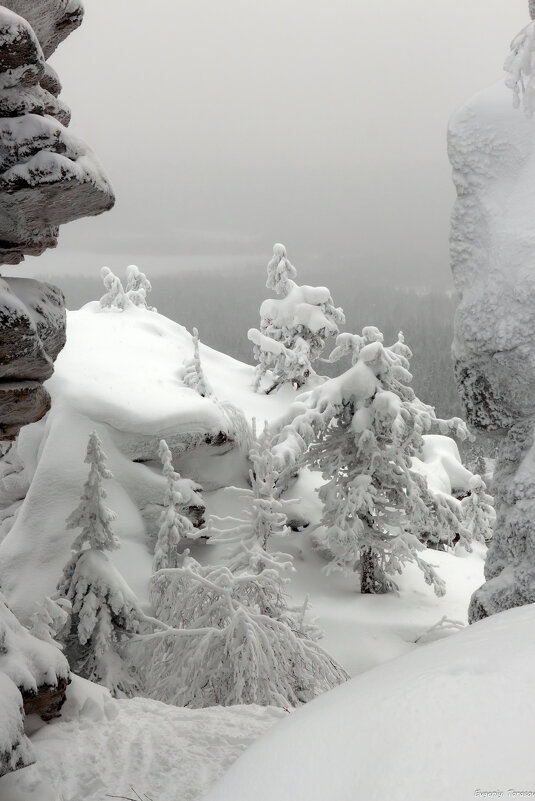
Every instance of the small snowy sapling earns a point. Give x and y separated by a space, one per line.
175 527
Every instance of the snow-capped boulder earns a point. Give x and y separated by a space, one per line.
492 151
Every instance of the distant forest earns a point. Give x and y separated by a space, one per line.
224 305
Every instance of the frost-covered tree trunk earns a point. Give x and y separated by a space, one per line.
532 9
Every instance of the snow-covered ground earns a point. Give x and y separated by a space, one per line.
448 722
120 375
103 747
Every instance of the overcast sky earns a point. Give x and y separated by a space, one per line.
227 125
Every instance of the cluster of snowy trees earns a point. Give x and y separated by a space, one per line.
118 297
222 634
362 429
227 633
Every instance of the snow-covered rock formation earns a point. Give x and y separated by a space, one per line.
47 176
492 151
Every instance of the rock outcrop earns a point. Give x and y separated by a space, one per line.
47 177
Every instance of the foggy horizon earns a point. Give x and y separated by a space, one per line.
226 129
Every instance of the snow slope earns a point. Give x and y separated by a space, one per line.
435 725
118 374
102 746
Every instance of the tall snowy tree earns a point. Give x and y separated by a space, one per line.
104 610
192 373
138 287
293 328
115 296
175 527
370 425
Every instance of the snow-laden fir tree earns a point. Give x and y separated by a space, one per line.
478 511
192 373
104 610
369 425
115 296
293 328
175 527
138 287
50 619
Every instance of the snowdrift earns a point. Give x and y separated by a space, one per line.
440 723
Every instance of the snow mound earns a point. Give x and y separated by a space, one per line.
108 747
440 723
441 465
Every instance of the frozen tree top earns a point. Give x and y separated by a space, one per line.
29 662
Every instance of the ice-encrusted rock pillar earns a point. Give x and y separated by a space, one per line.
492 152
47 177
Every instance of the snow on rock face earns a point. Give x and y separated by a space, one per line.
52 20
118 374
32 318
47 177
426 713
15 748
492 151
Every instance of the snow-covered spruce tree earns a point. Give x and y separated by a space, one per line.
293 328
192 374
370 426
175 527
104 609
138 287
115 296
